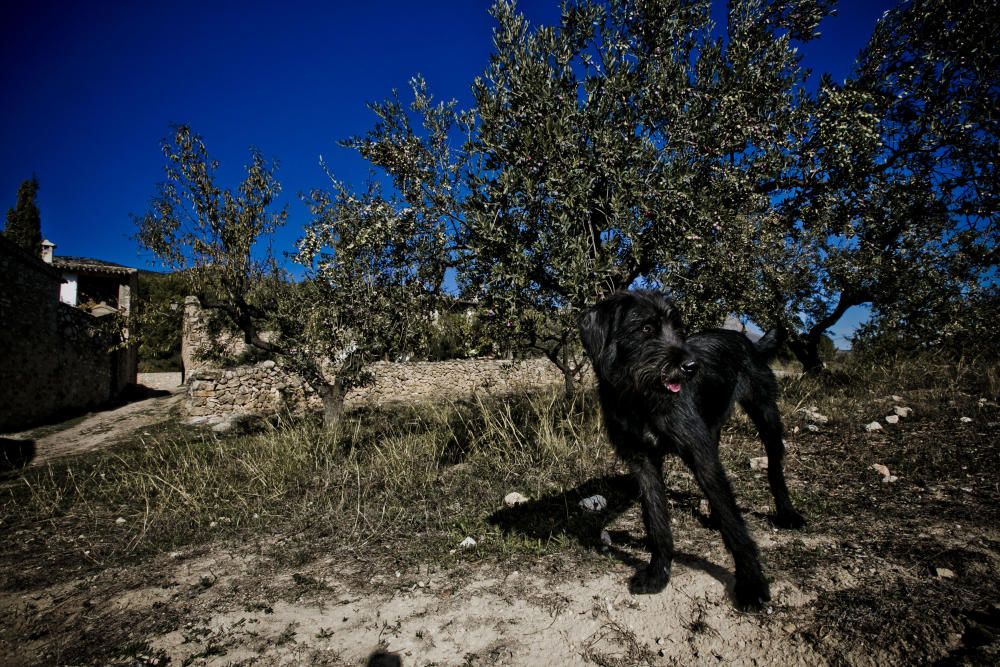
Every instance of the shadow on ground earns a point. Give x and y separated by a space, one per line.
135 393
15 454
384 659
560 514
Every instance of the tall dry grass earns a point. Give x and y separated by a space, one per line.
424 476
435 469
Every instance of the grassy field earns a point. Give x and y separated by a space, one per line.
907 569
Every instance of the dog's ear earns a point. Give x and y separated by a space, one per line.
594 325
596 328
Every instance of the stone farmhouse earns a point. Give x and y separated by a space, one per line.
55 356
96 286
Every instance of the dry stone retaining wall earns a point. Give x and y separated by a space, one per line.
266 388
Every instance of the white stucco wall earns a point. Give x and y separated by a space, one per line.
67 291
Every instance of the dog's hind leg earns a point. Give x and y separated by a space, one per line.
656 517
768 422
702 456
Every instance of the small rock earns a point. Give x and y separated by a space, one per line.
224 426
944 573
813 414
790 628
595 503
705 507
892 419
758 463
174 555
966 420
606 538
896 398
467 543
884 471
812 427
213 524
903 412
872 427
120 520
513 499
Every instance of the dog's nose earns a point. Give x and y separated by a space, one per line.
689 367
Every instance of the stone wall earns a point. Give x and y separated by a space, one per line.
266 388
195 336
52 358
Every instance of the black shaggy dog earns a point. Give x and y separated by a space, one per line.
663 393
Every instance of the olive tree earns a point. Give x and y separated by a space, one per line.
373 280
627 145
896 203
324 328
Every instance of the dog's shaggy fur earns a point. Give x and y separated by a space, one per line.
663 393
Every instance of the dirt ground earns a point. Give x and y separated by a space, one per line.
892 585
102 429
221 609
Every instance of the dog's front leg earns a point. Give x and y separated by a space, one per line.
655 515
702 456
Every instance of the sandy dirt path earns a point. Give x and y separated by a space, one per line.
104 428
230 607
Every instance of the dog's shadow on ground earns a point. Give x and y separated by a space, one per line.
560 514
15 455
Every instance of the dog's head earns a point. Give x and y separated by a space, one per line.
636 342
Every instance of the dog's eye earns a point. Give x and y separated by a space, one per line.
647 329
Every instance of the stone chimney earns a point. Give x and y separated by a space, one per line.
47 249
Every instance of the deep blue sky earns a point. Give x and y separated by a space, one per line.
90 89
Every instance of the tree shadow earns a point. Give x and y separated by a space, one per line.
15 455
560 514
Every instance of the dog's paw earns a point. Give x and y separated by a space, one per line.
789 519
648 580
751 593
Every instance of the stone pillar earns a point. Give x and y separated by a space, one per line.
190 333
124 298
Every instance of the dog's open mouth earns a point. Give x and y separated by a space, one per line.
671 382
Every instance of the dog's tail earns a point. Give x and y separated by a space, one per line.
769 344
